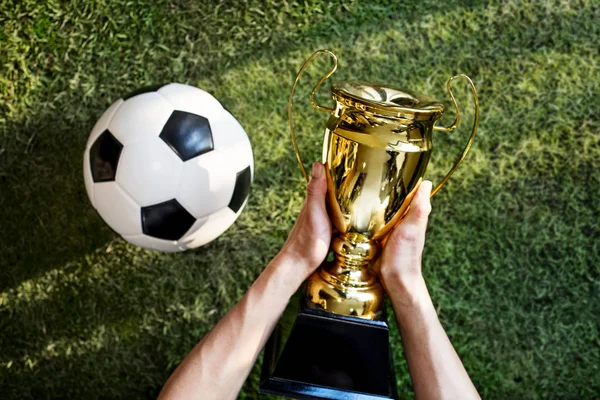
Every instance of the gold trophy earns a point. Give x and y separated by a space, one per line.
378 141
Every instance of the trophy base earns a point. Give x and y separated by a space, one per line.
327 356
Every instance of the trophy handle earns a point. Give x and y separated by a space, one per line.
312 100
455 124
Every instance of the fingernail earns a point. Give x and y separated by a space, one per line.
317 170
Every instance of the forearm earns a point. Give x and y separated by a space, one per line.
435 368
219 364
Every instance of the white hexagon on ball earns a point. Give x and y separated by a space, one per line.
168 168
140 118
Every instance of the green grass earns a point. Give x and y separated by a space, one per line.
512 256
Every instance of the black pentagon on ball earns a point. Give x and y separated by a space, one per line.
104 157
146 89
189 135
241 190
167 220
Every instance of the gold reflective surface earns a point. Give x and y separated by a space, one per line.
373 165
377 145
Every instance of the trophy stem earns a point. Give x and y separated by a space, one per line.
346 286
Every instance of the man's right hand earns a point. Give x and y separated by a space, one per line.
435 368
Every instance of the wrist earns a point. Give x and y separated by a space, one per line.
273 288
290 268
409 297
297 261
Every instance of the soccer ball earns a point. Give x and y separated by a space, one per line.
168 168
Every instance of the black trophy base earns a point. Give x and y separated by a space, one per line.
327 356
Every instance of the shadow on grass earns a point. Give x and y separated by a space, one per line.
47 219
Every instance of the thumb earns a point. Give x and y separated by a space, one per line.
411 230
420 207
311 233
317 187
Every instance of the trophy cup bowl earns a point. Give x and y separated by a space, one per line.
377 145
